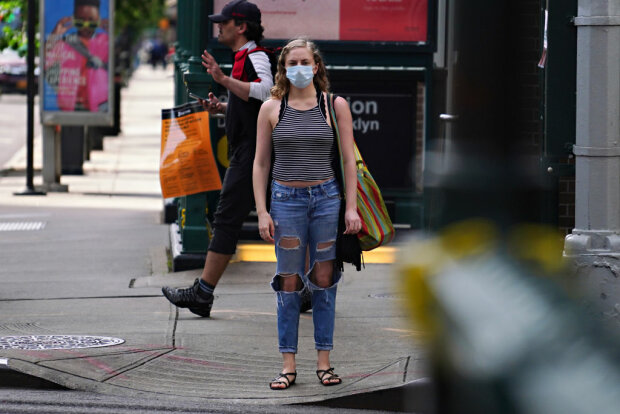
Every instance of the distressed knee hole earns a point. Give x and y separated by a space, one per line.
289 243
323 246
290 282
322 274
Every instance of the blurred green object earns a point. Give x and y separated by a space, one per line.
504 335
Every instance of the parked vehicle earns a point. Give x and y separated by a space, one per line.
13 72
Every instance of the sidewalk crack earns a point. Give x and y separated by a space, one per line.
174 317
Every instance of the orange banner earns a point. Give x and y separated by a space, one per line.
187 165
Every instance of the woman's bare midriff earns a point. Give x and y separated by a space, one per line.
301 184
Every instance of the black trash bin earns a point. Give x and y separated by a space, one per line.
72 150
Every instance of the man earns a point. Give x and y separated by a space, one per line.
76 62
248 86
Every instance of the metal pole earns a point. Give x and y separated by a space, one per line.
30 190
594 245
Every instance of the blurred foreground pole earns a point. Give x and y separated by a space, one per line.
594 245
503 338
30 104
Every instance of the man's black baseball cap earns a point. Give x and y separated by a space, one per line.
238 9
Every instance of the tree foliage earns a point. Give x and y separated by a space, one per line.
131 16
13 17
138 15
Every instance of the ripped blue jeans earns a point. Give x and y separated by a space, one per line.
306 219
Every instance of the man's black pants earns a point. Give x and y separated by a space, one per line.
236 201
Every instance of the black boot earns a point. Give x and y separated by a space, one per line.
193 298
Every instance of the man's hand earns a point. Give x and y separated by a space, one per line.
213 69
213 105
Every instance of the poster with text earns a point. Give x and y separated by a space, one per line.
348 20
187 164
76 58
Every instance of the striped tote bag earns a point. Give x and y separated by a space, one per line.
377 228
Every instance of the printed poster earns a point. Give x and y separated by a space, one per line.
187 165
76 56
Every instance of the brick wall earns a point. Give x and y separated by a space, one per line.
566 208
527 38
419 137
528 23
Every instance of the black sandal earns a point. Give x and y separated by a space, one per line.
287 383
321 373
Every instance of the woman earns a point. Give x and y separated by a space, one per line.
305 199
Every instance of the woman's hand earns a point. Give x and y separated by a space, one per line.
266 227
352 221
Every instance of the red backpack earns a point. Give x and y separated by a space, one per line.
238 71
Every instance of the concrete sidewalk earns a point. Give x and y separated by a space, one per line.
91 262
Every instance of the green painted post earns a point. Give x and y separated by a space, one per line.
193 210
181 51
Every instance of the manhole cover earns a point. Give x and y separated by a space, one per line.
40 342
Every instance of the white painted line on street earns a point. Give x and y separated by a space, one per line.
22 226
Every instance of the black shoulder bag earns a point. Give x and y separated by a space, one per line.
347 245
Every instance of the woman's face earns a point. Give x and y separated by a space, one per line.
300 56
86 20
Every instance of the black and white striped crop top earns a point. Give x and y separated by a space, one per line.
303 145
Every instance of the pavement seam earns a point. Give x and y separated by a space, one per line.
406 368
350 384
80 298
174 316
138 364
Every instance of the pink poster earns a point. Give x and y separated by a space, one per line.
384 20
360 20
316 19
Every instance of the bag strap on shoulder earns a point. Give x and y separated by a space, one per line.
332 115
283 103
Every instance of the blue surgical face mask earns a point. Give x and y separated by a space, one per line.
300 75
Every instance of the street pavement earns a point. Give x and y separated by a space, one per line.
92 261
13 114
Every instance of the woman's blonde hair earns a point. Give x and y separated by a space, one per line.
282 84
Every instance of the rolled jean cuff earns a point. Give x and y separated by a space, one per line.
324 347
287 350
